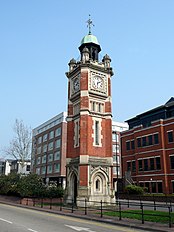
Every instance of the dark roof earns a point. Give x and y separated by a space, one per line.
160 112
171 100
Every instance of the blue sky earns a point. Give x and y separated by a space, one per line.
39 37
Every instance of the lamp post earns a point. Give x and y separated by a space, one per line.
46 167
151 185
117 194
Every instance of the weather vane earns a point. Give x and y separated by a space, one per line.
89 22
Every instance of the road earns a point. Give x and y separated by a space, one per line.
16 219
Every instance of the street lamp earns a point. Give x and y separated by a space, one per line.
46 167
151 185
117 194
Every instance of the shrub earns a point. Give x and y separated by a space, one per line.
54 191
31 186
8 184
134 189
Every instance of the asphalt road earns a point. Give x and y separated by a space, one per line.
16 219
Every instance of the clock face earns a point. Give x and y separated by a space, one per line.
97 82
76 84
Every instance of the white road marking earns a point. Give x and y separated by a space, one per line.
80 228
32 230
5 221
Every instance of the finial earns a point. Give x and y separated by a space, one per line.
89 22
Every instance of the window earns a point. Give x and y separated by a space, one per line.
50 157
147 186
43 170
45 148
28 168
138 142
56 167
116 169
99 107
173 186
128 166
140 165
50 169
57 155
114 137
93 106
58 131
113 148
44 159
57 143
156 139
127 145
150 140
116 159
153 186
170 136
38 160
50 146
38 171
133 166
97 132
172 162
158 163
117 148
132 144
152 165
144 141
97 185
51 134
39 140
38 150
45 137
145 164
160 187
76 130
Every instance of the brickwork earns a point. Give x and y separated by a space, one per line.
149 163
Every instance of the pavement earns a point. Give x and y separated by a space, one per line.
129 223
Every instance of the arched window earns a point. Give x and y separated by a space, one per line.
97 185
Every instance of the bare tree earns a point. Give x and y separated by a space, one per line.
20 146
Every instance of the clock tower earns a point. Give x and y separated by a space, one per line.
89 125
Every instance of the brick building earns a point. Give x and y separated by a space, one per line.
148 149
49 149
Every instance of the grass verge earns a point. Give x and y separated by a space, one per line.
149 215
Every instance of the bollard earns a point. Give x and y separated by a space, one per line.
72 209
85 207
61 203
50 203
119 210
170 219
142 213
42 203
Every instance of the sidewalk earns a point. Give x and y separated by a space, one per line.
130 223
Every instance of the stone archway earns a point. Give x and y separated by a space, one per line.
99 185
73 186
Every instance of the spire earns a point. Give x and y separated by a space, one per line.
89 22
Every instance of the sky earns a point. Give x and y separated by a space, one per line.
38 39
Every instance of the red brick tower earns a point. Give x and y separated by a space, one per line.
89 125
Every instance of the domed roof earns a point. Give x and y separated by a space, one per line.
90 39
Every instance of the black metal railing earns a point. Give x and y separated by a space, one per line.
101 209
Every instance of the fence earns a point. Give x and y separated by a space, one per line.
102 209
